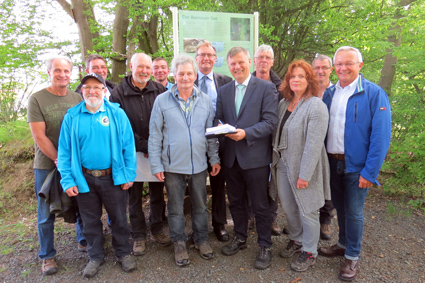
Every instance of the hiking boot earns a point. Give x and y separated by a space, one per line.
205 250
291 249
304 261
48 266
139 247
232 248
180 254
162 239
348 270
285 230
128 263
92 268
263 259
325 232
331 251
276 228
82 248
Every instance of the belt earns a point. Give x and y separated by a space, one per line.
336 156
98 173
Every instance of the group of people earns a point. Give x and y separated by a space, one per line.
302 139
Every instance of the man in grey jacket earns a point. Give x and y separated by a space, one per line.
177 154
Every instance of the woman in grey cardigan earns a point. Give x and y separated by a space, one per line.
300 169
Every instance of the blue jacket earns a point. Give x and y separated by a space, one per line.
122 146
176 144
367 128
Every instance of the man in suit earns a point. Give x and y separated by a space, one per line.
249 104
209 83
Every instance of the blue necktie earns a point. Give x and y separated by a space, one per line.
204 85
239 98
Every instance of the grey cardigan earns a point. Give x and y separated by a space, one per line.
303 151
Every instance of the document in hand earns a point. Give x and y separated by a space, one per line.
218 131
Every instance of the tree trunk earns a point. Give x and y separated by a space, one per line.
119 41
394 39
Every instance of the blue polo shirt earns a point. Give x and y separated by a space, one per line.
95 139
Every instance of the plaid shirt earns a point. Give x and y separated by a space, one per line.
186 106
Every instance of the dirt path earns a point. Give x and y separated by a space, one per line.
393 251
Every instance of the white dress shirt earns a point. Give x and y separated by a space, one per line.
336 131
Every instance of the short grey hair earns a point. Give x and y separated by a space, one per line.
264 48
49 61
322 57
136 55
183 59
349 48
235 50
92 57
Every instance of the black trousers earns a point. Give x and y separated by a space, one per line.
114 199
253 183
218 194
326 212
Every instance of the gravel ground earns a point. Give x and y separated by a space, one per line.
393 251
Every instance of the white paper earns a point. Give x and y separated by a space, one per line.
144 169
223 129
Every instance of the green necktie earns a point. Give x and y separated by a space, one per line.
239 98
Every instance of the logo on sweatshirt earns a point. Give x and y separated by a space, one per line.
104 121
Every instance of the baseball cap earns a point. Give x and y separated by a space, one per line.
93 76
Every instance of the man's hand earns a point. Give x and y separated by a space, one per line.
72 191
146 155
215 169
301 184
160 176
364 184
126 186
239 135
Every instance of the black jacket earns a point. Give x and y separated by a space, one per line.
138 105
110 85
274 78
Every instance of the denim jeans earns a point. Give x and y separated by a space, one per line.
45 220
348 199
176 188
114 199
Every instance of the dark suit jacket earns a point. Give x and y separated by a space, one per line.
219 80
257 116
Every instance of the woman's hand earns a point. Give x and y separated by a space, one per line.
301 184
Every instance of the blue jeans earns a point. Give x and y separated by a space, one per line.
45 220
348 199
175 185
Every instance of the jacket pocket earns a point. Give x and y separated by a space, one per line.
168 154
355 111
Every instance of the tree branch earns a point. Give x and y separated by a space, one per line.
66 6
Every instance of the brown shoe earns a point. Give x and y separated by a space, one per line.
331 251
139 247
325 232
82 248
348 270
48 266
162 239
251 223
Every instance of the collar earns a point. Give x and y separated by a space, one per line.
101 108
201 75
245 83
353 84
176 94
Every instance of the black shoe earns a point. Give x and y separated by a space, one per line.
276 228
232 248
264 258
221 234
285 230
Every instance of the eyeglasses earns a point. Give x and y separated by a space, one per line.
267 58
324 68
209 55
349 64
89 88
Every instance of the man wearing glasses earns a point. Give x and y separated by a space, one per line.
97 162
322 67
357 142
209 82
263 61
97 64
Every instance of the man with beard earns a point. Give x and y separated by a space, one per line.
136 95
97 162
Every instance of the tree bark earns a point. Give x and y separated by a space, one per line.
119 41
